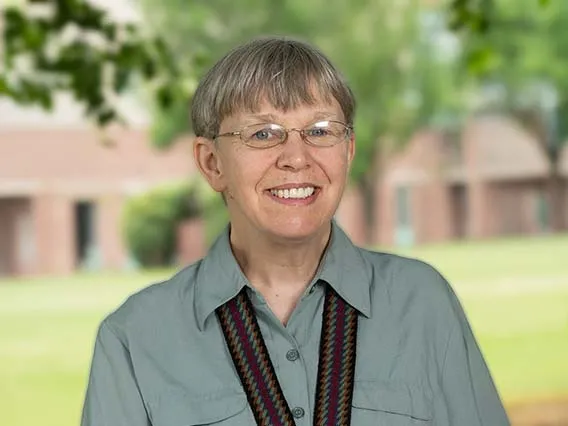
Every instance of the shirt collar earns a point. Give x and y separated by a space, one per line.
220 277
344 269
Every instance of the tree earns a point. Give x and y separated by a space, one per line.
400 81
54 46
528 65
380 46
78 66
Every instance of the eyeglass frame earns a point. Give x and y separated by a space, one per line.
348 133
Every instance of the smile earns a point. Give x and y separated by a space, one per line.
294 193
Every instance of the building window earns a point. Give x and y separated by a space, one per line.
403 214
541 212
404 233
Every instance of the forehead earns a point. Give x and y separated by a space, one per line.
304 113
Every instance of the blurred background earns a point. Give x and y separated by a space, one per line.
462 161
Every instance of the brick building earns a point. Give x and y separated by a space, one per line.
487 182
62 189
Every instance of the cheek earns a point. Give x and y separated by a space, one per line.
335 165
247 172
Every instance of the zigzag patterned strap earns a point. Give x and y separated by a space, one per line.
251 359
334 390
336 370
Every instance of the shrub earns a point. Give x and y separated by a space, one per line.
150 221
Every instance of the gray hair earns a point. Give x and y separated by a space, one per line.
281 70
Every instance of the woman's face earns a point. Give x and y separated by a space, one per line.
289 191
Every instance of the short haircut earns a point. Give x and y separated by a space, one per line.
285 72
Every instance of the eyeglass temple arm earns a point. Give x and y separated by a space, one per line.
229 134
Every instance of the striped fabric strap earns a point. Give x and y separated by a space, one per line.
251 359
334 389
336 370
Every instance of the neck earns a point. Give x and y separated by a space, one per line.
276 265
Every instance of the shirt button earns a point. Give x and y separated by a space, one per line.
298 412
292 355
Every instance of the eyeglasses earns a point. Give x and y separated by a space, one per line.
267 135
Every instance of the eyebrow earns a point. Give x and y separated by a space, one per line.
267 118
271 118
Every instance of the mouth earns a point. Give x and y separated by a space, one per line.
299 193
302 194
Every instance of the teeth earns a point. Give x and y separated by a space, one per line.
297 193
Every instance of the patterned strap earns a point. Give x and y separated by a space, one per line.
251 359
334 390
336 371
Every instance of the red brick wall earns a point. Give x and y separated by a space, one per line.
16 230
386 211
77 158
113 251
432 213
6 238
58 167
53 222
350 216
419 169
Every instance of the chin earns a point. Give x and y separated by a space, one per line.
295 229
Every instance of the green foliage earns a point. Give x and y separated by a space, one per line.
150 221
392 60
470 15
523 53
72 46
380 46
482 20
377 44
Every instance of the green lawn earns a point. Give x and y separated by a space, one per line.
514 291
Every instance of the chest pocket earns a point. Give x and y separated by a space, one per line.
382 403
221 408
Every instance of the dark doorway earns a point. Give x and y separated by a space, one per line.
459 210
84 231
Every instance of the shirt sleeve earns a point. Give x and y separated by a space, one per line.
113 397
469 391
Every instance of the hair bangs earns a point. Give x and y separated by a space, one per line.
284 73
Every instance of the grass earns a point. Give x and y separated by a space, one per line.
515 292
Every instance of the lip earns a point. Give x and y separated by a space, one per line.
293 185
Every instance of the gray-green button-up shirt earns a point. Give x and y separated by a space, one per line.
161 358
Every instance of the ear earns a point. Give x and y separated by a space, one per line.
208 161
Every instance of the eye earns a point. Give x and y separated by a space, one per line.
263 135
317 132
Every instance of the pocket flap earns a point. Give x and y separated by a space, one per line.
392 398
181 409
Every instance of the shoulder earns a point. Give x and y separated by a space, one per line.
404 273
155 304
409 283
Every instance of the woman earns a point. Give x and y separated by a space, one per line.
285 321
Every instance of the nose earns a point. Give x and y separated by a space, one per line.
295 152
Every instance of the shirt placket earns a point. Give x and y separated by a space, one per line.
289 360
